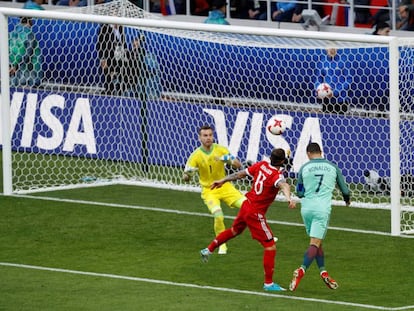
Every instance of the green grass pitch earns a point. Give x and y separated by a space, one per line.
137 248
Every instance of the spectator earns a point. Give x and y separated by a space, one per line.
25 56
154 87
255 10
335 71
217 14
410 19
199 7
299 7
283 11
72 2
143 73
112 52
382 16
33 5
376 184
382 29
403 12
239 8
136 71
362 15
180 6
155 6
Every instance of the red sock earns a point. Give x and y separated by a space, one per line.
220 239
269 265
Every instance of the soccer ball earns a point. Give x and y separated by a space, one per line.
276 126
323 90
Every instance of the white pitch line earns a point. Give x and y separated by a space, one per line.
157 209
222 289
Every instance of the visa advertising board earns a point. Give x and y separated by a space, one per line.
79 125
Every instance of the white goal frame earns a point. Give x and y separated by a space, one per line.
391 42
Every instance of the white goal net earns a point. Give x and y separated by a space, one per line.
124 106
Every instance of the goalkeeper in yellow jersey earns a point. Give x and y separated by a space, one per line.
209 162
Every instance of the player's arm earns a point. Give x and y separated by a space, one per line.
343 187
285 187
191 166
235 176
189 173
300 187
230 159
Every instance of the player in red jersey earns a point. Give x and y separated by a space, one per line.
267 180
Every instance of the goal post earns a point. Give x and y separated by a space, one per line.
5 108
69 132
395 138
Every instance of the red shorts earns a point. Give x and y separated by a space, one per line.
255 221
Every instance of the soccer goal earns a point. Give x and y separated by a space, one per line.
73 129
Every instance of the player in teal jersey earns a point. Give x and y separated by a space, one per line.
316 182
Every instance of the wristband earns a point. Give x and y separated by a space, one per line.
228 158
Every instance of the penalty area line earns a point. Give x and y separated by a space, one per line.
222 289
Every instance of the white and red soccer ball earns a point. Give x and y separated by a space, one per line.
276 126
323 90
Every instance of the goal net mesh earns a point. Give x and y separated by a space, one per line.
80 123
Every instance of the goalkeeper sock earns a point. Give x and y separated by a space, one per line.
309 256
269 265
219 224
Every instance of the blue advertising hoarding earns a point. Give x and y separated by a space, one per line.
79 125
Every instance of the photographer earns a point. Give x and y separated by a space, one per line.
376 184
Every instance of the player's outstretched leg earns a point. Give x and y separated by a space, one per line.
297 277
205 254
330 282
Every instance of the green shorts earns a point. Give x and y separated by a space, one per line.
316 223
